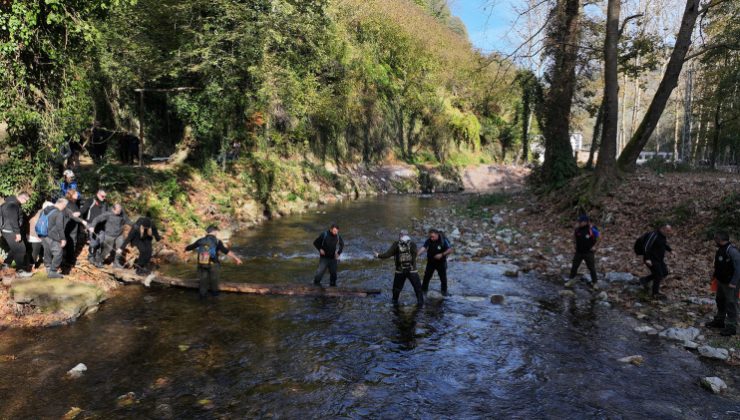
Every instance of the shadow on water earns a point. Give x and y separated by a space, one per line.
538 355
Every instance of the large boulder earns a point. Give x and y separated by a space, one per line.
714 384
58 296
714 353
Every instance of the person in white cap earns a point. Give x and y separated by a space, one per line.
68 183
404 252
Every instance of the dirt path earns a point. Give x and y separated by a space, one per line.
483 179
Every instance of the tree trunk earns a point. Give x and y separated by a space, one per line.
715 139
563 38
526 118
595 140
628 158
128 276
606 166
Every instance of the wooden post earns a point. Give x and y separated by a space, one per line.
141 127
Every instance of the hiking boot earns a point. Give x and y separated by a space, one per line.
54 275
728 330
23 274
659 296
645 282
715 323
572 282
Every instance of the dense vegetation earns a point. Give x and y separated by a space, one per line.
348 81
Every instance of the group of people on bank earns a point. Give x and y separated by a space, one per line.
652 247
56 233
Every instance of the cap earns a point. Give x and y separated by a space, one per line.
69 174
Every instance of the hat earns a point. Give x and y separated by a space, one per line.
69 174
211 229
583 218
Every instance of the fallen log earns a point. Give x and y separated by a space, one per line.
130 277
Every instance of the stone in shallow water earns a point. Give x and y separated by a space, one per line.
433 294
58 295
714 384
619 277
636 360
714 353
497 299
77 371
680 334
646 329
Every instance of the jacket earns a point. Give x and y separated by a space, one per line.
57 222
92 208
330 244
727 265
12 215
405 261
655 251
113 223
585 238
134 236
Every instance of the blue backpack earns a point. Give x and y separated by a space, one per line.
207 251
42 226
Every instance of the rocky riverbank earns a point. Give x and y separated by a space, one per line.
534 233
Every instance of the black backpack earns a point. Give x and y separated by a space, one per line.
405 258
644 242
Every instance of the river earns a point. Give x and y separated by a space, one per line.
538 355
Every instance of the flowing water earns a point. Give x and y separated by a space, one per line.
536 356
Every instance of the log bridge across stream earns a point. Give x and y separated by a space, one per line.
130 277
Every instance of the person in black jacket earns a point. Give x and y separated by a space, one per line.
112 234
12 222
91 209
209 265
71 230
55 241
330 246
404 252
586 237
141 236
437 248
727 275
654 258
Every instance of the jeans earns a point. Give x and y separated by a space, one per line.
441 268
324 264
52 254
400 279
726 299
17 251
208 280
590 263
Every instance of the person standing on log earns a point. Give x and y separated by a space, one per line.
11 221
726 278
209 265
113 234
404 252
330 246
141 236
50 228
655 247
437 248
91 209
586 237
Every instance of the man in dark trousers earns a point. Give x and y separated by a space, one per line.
656 246
11 215
586 237
437 248
113 234
727 275
330 246
209 265
91 209
55 240
404 252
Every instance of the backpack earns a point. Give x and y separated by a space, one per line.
207 251
405 258
42 226
644 242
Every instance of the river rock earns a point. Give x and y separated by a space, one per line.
497 299
646 329
604 304
714 384
58 295
77 371
700 301
602 296
619 277
434 295
636 360
497 220
691 345
714 353
680 334
566 293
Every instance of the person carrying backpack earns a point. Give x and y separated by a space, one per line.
652 246
11 216
50 228
404 252
141 236
37 244
91 209
726 278
209 265
586 237
437 248
330 246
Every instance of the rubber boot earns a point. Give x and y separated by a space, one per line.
728 330
715 323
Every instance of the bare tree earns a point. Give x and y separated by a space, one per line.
606 166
